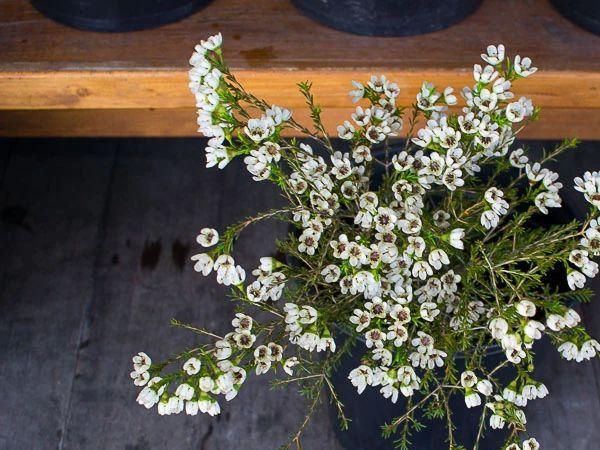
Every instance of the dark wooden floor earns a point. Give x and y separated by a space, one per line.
94 248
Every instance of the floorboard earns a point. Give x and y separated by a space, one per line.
96 237
51 205
5 152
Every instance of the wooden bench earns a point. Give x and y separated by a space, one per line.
58 81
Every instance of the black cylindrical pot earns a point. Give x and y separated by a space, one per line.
370 410
388 17
117 15
585 13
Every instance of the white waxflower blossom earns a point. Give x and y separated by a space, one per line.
515 112
533 329
449 97
140 378
207 237
410 224
484 75
191 408
309 241
377 307
452 179
589 185
346 131
437 258
518 159
278 114
526 308
523 66
260 129
331 273
486 101
184 391
360 318
547 199
289 364
531 444
361 377
222 349
589 349
535 172
485 387
498 328
358 92
213 42
456 238
591 241
204 263
555 322
429 311
192 366
472 399
496 422
468 379
242 322
494 55
206 384
571 318
416 246
568 350
489 219
397 333
575 279
374 338
141 362
422 270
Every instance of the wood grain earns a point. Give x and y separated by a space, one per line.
49 230
272 34
553 124
271 47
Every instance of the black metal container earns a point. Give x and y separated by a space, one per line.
388 17
585 13
117 15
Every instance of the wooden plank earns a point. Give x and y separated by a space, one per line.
45 65
161 196
553 124
168 89
272 34
51 207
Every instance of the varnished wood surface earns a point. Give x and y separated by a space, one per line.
271 47
272 34
583 123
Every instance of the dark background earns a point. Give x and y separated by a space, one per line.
95 241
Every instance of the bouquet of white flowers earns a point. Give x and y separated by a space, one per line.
411 255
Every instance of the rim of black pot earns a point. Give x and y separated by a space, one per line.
124 24
415 24
583 13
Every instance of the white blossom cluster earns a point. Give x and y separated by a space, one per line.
431 261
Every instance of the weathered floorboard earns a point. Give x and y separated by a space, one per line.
94 263
51 206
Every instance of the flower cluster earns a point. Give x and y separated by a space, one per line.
416 256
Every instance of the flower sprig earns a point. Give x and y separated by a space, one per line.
412 256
